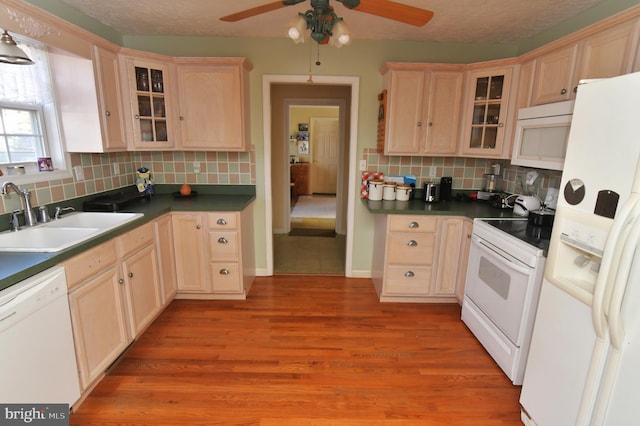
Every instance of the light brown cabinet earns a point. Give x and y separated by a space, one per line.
114 294
214 254
607 53
166 257
213 103
150 106
423 109
417 258
487 113
89 100
189 234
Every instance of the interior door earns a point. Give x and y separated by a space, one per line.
325 145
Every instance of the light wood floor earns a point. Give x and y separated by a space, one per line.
305 350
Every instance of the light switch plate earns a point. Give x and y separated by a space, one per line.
363 165
196 167
116 169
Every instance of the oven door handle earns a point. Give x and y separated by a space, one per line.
508 261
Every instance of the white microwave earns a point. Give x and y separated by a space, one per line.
542 133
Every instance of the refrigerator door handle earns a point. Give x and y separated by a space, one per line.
612 252
616 328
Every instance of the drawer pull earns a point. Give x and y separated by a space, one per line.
198 226
221 221
224 271
412 243
130 274
223 240
409 274
414 225
120 281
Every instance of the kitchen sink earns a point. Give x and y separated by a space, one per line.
63 233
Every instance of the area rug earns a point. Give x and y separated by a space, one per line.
314 206
309 232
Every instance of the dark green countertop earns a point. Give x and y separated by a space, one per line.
15 267
469 209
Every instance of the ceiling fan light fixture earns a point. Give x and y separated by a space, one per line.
10 53
341 36
298 29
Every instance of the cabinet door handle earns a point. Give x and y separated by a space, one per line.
412 243
223 240
419 124
500 124
107 113
198 226
575 89
224 271
409 274
414 225
181 118
130 274
120 281
468 235
563 92
221 221
137 117
430 124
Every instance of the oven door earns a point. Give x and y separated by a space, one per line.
497 284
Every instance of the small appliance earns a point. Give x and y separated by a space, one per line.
431 192
446 188
524 204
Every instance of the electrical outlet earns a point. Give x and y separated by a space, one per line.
432 171
196 167
78 173
116 169
363 165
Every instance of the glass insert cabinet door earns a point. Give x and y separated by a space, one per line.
487 106
151 103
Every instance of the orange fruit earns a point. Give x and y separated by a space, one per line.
185 189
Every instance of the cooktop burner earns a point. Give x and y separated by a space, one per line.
537 236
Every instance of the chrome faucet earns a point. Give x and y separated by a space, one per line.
30 218
60 210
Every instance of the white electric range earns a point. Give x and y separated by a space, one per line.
504 275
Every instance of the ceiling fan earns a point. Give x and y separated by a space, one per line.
323 23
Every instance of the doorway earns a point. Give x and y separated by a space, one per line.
295 90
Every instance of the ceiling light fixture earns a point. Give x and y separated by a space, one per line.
323 24
10 53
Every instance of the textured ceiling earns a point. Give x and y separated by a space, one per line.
481 21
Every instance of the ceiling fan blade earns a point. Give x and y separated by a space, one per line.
248 13
395 11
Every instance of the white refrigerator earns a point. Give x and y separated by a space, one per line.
583 367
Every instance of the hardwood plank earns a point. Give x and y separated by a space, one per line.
305 350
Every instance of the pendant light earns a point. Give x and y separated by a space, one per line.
10 53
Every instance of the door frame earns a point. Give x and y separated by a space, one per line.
354 83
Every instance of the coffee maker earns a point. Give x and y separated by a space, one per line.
445 188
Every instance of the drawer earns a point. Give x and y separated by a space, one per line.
135 239
226 277
407 281
405 248
222 220
412 223
88 264
224 246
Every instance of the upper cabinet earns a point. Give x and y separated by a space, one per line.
603 54
423 109
213 103
150 104
486 113
89 99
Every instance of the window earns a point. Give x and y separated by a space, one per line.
28 119
21 135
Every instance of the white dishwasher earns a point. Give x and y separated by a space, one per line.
37 356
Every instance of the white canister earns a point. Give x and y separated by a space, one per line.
389 191
375 190
403 192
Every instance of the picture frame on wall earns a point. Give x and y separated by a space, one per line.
303 147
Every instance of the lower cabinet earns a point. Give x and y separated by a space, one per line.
114 294
166 257
418 258
214 254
